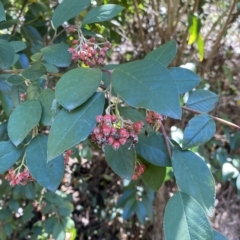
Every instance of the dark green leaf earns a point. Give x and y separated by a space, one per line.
199 130
185 79
6 55
194 177
46 99
185 219
131 113
163 54
58 231
202 100
37 57
33 90
9 154
15 79
122 161
18 45
50 68
8 24
102 13
5 86
76 86
129 208
2 13
235 141
15 93
23 119
35 71
153 86
141 212
57 54
218 236
47 174
67 10
153 149
70 128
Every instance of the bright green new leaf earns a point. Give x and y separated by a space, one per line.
202 100
34 72
76 86
23 119
199 130
163 54
153 149
147 84
2 13
193 28
200 46
9 154
18 45
218 236
122 161
47 174
194 177
185 219
102 13
70 128
57 55
6 55
16 79
67 10
46 99
185 79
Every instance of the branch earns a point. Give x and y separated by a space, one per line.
166 140
216 118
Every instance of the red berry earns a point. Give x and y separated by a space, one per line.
75 42
107 118
84 46
113 118
135 176
92 39
99 118
99 136
122 132
106 130
97 130
110 140
122 141
116 145
113 130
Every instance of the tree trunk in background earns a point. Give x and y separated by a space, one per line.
159 206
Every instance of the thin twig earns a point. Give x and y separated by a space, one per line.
166 140
216 118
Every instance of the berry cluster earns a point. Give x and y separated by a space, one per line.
108 131
89 52
139 170
18 178
66 156
154 119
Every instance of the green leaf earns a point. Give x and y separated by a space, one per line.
8 24
185 219
15 79
193 28
67 10
194 177
58 231
57 54
163 54
218 236
131 113
46 99
6 55
153 149
76 86
23 119
33 90
200 46
9 154
102 13
151 83
122 161
70 128
7 103
47 174
50 68
2 13
202 100
18 45
229 171
37 57
185 79
199 130
35 71
154 176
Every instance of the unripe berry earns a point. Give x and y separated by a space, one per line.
116 145
122 132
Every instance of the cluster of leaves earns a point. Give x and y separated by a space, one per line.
81 94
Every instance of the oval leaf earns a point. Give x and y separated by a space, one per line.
35 71
194 177
185 79
70 128
163 54
152 84
199 130
202 100
18 45
102 13
67 10
9 154
2 13
130 113
47 174
185 219
23 119
57 55
153 149
15 79
6 55
122 161
76 86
